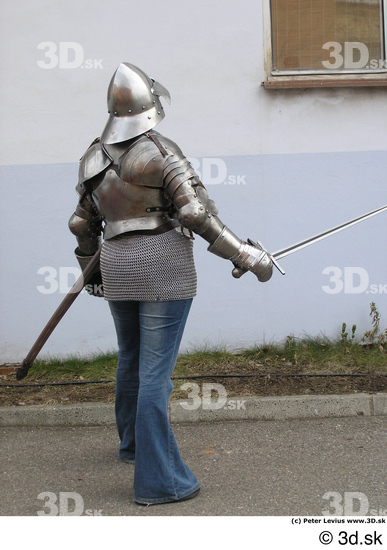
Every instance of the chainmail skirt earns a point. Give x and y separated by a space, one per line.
149 268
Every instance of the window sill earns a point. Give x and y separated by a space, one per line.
325 81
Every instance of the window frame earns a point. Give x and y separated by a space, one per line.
324 78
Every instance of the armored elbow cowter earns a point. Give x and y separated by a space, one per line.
194 208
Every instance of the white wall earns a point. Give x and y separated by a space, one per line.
305 160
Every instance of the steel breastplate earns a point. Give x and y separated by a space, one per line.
126 207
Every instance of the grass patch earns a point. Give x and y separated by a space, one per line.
98 367
307 355
275 366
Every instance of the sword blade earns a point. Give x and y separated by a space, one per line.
307 242
67 301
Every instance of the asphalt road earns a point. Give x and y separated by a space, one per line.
246 468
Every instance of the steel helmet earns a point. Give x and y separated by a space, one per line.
134 104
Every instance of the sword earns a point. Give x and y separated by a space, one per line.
70 297
283 252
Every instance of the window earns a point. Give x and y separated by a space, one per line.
325 43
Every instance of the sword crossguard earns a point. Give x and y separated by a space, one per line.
275 263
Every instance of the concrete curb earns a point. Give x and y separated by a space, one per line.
241 408
283 408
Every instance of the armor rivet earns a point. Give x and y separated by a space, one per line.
154 102
148 209
143 106
157 209
158 112
130 110
149 117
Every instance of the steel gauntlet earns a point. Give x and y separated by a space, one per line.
252 258
246 256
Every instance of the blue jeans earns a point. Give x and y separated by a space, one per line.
149 335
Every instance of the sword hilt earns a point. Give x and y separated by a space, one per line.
275 263
237 272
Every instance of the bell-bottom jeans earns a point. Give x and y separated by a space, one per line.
149 336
